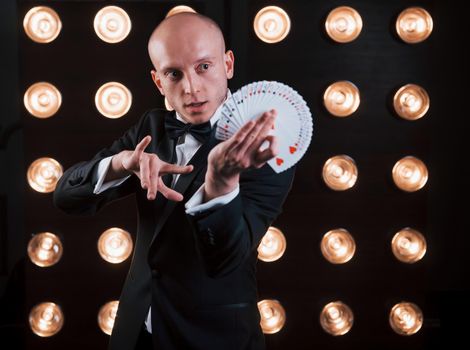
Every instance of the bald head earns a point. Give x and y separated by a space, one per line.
180 27
191 64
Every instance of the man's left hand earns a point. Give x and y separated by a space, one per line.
240 152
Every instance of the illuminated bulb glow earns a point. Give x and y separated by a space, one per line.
341 98
42 100
44 249
414 25
271 24
410 174
42 24
112 24
406 318
179 9
272 246
107 316
115 245
113 100
343 24
43 174
46 319
273 316
338 246
408 245
340 172
411 102
336 318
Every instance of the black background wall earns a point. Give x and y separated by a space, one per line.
77 62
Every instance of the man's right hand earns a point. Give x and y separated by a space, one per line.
148 168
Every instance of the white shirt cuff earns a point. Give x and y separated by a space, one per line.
195 206
103 167
148 321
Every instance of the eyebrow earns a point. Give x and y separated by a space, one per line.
205 58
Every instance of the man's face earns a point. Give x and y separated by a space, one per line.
192 70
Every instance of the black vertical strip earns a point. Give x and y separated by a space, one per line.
238 25
3 235
12 185
11 146
449 292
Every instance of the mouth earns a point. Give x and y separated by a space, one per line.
196 106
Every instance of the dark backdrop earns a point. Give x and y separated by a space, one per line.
77 62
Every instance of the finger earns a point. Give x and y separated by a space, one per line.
267 122
263 156
255 137
260 138
167 168
239 136
153 179
144 172
168 192
139 149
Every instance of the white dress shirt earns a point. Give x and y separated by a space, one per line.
187 146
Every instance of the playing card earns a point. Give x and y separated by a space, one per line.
293 126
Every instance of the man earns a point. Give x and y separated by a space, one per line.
192 280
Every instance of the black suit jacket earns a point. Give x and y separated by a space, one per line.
197 272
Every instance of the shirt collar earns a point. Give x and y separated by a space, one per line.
216 114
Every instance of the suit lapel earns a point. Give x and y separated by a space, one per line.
199 162
165 147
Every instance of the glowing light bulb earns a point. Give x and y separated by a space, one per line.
273 316
107 316
115 245
343 24
336 318
43 174
45 249
340 172
271 24
406 318
112 24
272 246
113 100
414 25
341 99
42 24
46 319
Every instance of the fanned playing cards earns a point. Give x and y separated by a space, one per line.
293 125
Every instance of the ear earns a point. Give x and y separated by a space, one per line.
157 81
229 61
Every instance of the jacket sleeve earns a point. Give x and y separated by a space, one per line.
228 235
74 190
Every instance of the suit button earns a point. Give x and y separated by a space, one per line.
156 273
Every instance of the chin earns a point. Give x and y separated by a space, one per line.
199 119
196 118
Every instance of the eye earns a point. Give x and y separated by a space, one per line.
204 66
173 74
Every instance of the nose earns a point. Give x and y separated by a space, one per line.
191 83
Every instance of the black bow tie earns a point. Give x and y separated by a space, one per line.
176 128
